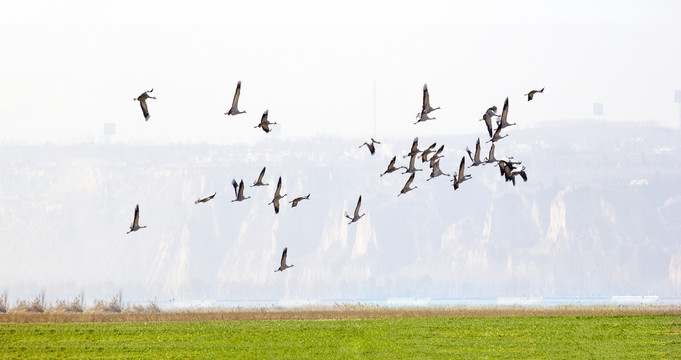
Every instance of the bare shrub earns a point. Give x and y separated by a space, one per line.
151 308
3 302
35 306
115 305
74 306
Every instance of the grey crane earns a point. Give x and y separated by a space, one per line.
370 145
356 216
136 220
234 110
283 265
425 106
530 95
428 150
239 191
259 181
406 188
143 103
490 158
497 135
277 196
461 177
424 118
436 171
411 168
475 159
503 120
414 148
391 166
264 123
436 156
206 199
510 170
488 116
295 201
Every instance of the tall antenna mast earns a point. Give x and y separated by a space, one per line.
374 107
677 98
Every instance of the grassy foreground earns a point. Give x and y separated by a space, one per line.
554 337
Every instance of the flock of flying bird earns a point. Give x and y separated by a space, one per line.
508 167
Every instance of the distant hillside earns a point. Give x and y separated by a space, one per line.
599 215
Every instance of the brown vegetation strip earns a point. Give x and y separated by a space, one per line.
331 313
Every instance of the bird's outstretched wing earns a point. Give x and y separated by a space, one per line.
237 92
426 98
283 257
504 112
278 191
136 219
236 188
145 110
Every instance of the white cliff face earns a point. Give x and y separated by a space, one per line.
590 220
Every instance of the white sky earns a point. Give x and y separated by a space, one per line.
69 67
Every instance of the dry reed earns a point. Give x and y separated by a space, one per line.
152 313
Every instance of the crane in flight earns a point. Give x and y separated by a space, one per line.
136 221
234 110
530 95
356 216
239 191
370 145
283 265
143 103
277 196
206 199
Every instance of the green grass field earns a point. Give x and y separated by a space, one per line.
551 337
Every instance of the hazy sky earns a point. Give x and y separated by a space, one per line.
69 68
349 70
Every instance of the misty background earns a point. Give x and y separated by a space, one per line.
599 215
